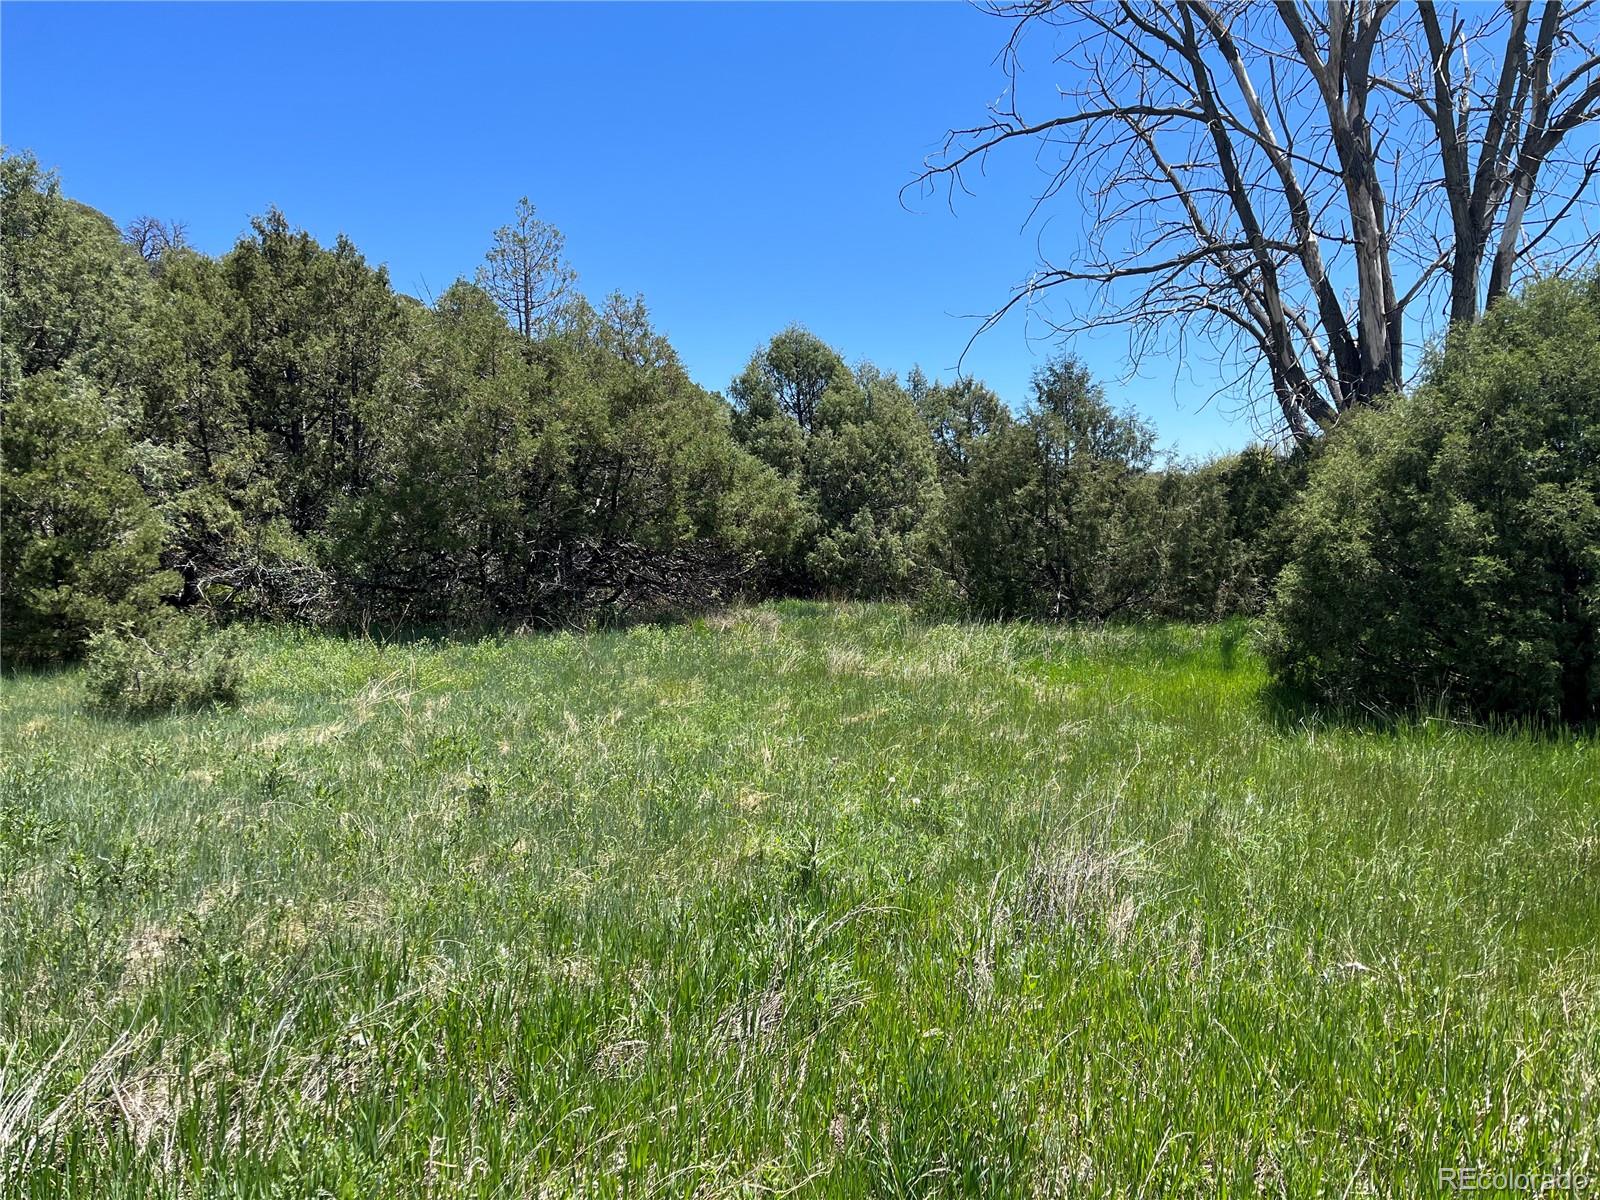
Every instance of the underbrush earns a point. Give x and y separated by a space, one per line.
182 664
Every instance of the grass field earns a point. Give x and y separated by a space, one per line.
802 900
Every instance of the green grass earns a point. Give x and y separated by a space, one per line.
805 900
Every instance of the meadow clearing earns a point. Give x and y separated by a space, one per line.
798 900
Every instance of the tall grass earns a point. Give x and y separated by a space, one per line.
808 900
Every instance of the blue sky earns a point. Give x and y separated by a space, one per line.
738 164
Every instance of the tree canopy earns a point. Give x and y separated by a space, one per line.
277 432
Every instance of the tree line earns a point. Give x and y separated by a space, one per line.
278 433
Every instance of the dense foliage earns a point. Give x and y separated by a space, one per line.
82 543
1063 512
1447 551
278 433
855 451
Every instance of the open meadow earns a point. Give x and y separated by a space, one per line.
627 622
802 899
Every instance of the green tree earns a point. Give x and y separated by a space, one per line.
785 381
858 456
1052 513
82 544
989 545
580 476
1446 552
1088 455
202 461
440 530
1213 544
81 541
959 416
312 331
73 292
874 486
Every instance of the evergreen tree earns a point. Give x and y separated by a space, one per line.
82 544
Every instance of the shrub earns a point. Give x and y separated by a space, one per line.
865 560
1446 552
183 664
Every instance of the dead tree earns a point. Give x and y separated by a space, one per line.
151 237
1310 191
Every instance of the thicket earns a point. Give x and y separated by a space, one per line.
1446 552
278 433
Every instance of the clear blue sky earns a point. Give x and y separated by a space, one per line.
739 165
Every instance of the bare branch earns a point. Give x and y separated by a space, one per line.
1303 185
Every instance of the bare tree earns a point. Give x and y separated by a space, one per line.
152 237
525 271
1291 184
